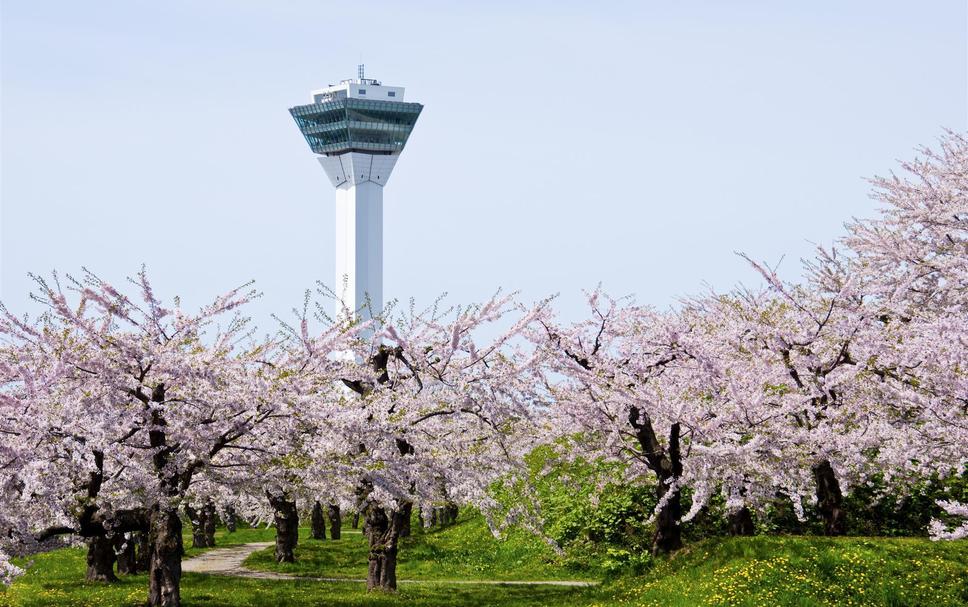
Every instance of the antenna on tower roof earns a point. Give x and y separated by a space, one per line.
360 71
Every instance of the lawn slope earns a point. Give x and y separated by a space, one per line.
463 551
804 572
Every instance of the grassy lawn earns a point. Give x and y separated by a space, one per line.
798 571
805 572
56 580
463 551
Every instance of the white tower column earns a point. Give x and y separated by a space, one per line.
359 249
359 179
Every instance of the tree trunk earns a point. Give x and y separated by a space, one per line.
830 501
317 525
196 518
381 573
668 531
741 522
335 521
164 569
124 548
100 560
666 463
164 524
287 527
406 512
356 520
382 532
452 511
230 519
143 560
209 522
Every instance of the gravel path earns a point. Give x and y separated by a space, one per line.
228 561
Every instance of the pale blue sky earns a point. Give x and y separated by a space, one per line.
562 143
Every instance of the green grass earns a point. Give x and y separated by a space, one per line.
56 580
805 572
796 571
464 551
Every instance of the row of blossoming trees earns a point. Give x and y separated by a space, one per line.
117 411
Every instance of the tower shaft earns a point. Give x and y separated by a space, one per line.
359 249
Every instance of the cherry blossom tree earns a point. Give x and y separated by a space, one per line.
434 408
54 475
874 340
153 396
645 389
913 258
818 340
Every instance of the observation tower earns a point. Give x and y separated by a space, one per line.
357 129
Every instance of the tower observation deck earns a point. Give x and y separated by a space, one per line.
357 129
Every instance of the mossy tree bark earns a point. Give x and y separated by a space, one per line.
231 519
830 500
100 560
209 523
383 532
406 512
142 541
124 548
335 521
195 519
164 569
286 518
741 522
317 523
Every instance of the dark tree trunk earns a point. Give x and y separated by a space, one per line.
830 501
100 560
668 531
164 523
142 540
197 520
451 511
666 462
406 512
317 524
164 568
287 527
100 551
356 520
741 522
209 522
124 548
230 519
335 521
382 532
